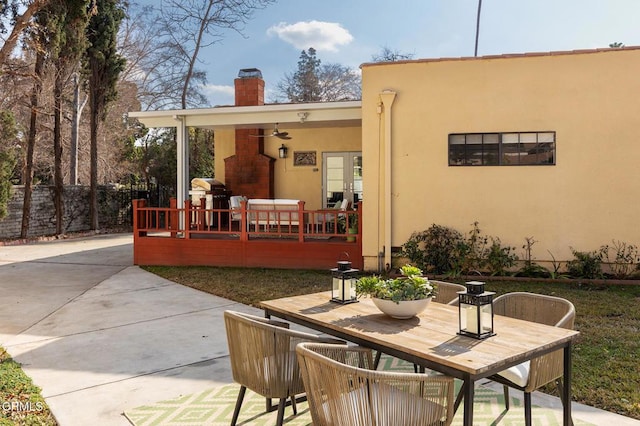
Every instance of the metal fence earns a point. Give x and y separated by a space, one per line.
116 207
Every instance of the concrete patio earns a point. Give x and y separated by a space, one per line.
101 336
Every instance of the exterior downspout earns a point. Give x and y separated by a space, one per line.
387 97
182 154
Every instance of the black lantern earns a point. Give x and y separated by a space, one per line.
475 311
344 277
282 151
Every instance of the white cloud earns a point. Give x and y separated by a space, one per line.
220 94
322 36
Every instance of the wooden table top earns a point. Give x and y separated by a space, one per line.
431 336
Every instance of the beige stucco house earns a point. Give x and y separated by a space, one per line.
541 145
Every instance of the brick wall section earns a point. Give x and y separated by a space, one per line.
249 172
43 218
249 91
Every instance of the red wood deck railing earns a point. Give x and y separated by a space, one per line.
295 238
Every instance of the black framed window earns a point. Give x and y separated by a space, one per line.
502 149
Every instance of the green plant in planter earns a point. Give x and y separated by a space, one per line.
342 222
410 286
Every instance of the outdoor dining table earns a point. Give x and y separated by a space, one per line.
430 339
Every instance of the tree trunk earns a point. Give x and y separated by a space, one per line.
93 194
31 143
57 149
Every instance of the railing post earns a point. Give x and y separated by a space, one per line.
172 216
244 235
301 221
138 220
187 219
359 212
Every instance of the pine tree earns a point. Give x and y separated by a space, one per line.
102 67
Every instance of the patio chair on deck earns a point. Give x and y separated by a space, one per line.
343 390
447 292
536 373
327 219
235 204
263 359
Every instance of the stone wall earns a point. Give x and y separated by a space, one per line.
113 211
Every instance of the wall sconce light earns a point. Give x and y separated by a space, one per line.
475 311
282 151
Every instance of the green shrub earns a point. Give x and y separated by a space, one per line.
436 250
585 264
624 259
498 258
7 163
443 250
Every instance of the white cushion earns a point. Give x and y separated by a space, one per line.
518 374
263 202
284 201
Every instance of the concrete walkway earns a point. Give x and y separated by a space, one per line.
101 336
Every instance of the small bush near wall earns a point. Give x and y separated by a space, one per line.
445 251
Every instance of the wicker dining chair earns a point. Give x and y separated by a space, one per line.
531 375
263 359
343 390
447 292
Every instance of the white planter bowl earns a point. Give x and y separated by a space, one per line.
404 309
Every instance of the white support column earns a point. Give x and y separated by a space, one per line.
182 148
387 97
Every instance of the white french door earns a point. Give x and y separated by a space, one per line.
341 178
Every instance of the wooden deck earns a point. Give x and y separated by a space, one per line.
210 237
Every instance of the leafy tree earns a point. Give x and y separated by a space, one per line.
65 22
317 82
38 43
616 45
102 67
387 54
8 137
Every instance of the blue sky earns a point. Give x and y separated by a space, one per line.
349 32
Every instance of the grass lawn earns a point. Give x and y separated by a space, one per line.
606 372
20 400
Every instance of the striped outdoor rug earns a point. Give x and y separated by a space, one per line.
215 407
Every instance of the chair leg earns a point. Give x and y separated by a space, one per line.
507 399
293 405
283 402
236 411
527 409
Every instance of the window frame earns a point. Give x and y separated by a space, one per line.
493 149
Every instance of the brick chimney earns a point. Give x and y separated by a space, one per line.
249 172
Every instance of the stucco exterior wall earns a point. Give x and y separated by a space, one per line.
295 182
587 199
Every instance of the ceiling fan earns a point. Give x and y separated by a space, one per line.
276 133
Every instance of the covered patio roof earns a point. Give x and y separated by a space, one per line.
291 116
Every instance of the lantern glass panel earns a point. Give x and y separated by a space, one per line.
476 314
343 289
469 319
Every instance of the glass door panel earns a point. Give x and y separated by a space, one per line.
342 178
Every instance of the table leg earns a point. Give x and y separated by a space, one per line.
468 389
566 391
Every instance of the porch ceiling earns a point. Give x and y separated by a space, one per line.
290 116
